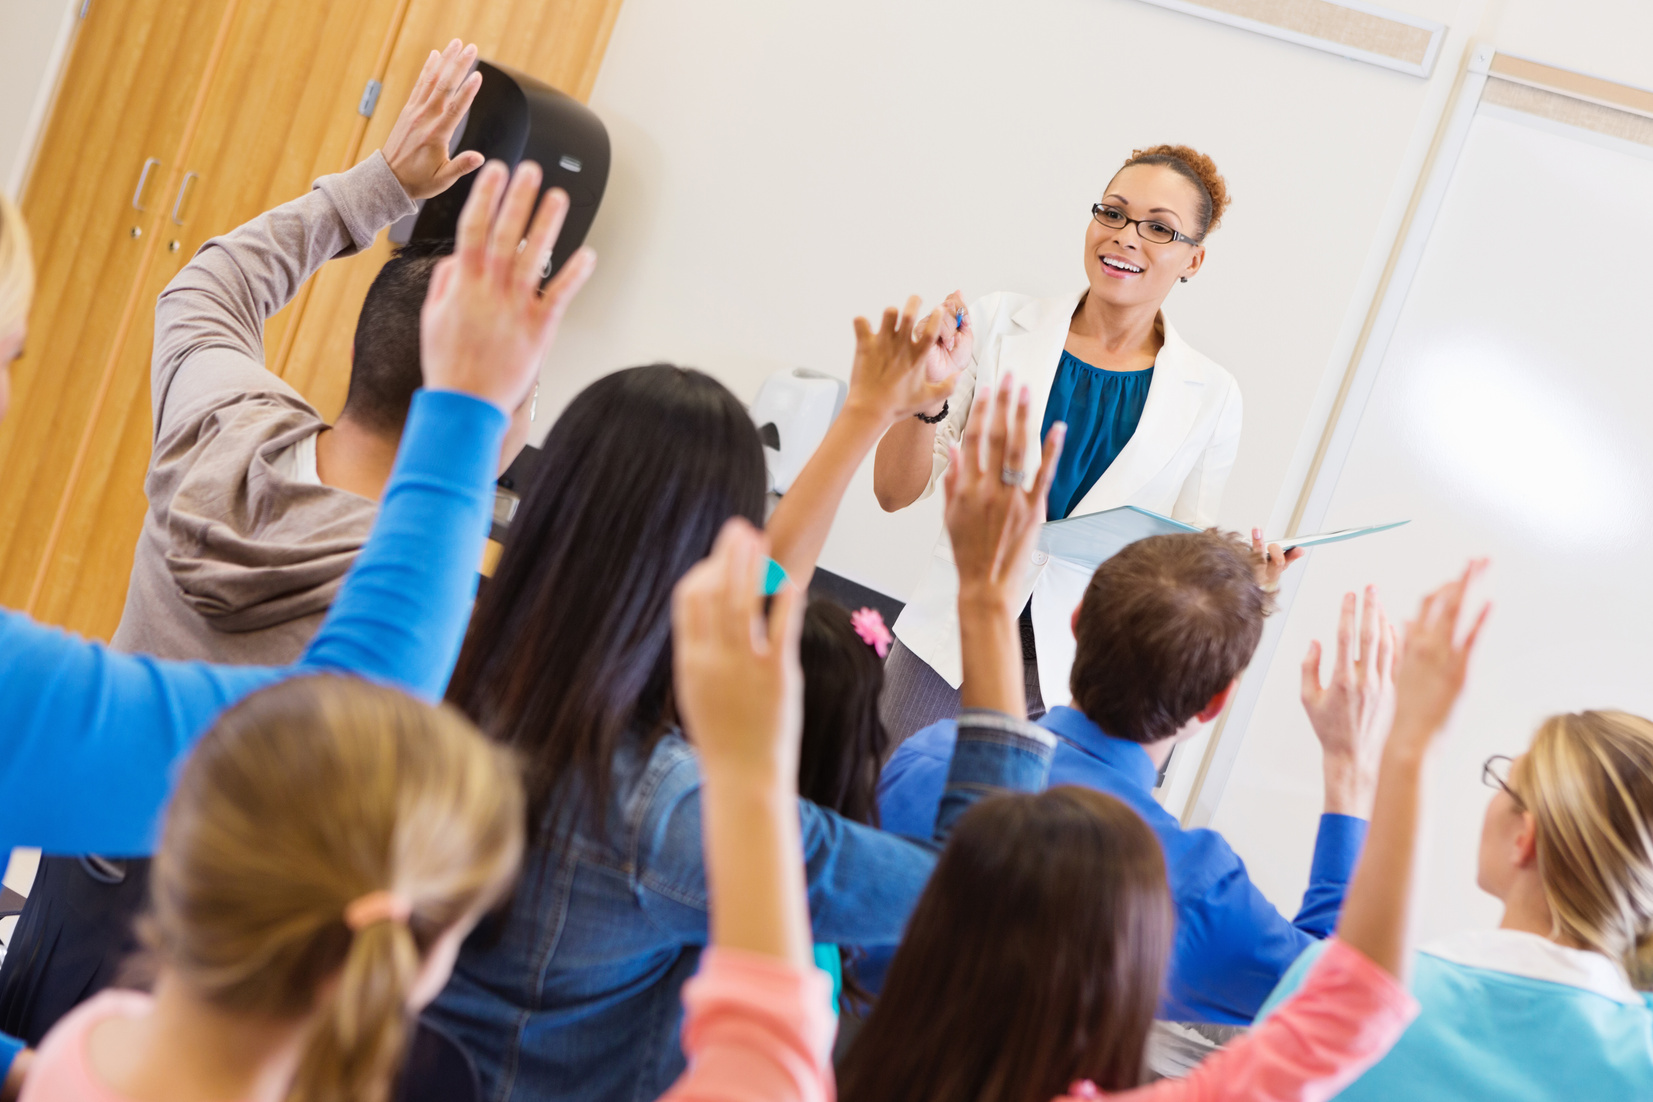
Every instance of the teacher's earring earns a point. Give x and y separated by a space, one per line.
1185 279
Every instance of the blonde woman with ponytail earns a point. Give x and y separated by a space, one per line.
329 846
1554 1003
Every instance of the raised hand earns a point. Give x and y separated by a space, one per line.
1352 713
1433 662
486 324
891 378
739 689
1271 561
992 519
739 693
417 146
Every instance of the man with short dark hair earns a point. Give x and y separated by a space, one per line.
1164 631
258 506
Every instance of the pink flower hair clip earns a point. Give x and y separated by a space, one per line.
869 625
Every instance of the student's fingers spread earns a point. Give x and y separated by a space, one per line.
471 234
1368 629
974 426
1016 448
512 222
1475 630
909 313
928 331
1343 669
1040 493
863 335
542 236
1312 690
554 300
1385 657
998 429
459 101
427 80
891 320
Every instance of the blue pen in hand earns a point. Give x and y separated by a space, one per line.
958 320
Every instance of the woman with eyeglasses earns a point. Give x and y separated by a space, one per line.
1553 1004
1151 422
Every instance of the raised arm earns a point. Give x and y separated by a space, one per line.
90 737
904 468
1354 1005
209 322
758 1023
888 383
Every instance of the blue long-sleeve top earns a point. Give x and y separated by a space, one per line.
89 738
1232 945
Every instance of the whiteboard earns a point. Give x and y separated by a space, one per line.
1509 415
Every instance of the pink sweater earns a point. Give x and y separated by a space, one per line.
757 1031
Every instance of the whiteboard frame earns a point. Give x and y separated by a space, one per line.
1437 32
1208 792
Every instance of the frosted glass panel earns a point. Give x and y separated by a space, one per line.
1510 417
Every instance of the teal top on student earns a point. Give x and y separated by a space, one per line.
90 736
1512 1016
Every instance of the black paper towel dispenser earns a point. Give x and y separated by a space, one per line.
514 118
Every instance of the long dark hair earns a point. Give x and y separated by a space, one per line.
570 645
1033 959
844 741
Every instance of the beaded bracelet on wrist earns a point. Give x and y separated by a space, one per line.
938 418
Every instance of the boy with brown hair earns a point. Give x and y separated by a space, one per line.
1164 631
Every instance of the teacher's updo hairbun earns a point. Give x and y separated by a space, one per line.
1197 169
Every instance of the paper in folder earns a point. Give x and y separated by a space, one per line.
1089 540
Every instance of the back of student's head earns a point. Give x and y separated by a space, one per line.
570 645
844 741
1033 959
385 368
303 798
1164 626
1588 782
16 268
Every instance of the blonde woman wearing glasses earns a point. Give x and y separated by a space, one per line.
1150 421
1553 1004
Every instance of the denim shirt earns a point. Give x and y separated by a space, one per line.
1231 945
573 993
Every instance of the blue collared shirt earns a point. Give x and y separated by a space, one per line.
1232 946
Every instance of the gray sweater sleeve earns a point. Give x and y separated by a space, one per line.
209 322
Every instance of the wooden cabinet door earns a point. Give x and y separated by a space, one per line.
129 92
279 109
243 103
558 41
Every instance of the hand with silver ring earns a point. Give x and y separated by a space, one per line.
1010 476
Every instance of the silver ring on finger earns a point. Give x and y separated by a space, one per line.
1010 476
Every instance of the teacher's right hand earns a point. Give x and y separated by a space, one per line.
954 343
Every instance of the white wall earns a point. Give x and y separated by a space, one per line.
780 168
33 37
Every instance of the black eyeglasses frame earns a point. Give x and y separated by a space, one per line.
1490 778
1176 235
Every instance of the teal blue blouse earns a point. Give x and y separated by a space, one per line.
1101 409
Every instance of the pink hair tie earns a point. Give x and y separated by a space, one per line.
869 625
376 907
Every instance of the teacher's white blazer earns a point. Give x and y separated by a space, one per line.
1176 464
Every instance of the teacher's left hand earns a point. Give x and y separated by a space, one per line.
1271 561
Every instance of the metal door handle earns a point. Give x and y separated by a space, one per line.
178 204
143 180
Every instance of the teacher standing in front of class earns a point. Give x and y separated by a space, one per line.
1150 421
